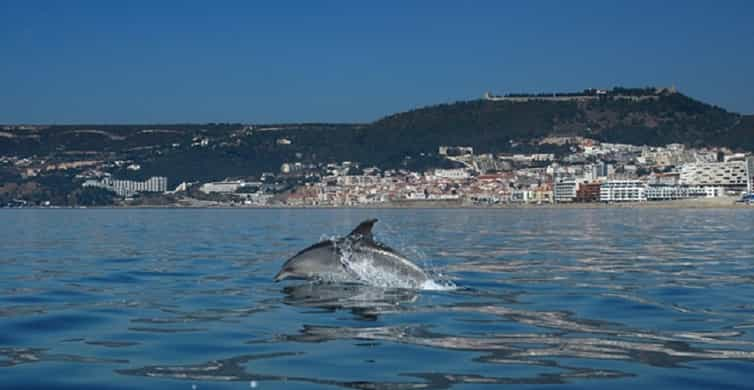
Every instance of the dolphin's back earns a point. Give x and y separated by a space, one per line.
390 261
326 245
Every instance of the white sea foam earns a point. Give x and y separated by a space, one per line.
442 285
364 269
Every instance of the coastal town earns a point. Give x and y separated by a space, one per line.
593 172
614 146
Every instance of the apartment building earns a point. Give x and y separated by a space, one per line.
731 175
623 191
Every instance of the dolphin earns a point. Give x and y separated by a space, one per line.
352 259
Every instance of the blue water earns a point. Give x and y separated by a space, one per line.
183 299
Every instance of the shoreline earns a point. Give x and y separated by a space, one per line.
711 203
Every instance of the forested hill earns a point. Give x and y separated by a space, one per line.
670 118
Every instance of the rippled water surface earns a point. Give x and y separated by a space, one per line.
619 298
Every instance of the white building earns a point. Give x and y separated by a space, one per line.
130 187
735 157
564 190
522 196
623 191
714 192
527 157
731 175
183 187
750 173
455 150
227 186
459 173
664 179
673 192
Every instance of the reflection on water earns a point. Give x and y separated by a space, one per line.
233 369
367 302
175 299
17 356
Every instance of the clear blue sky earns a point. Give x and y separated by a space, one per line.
201 61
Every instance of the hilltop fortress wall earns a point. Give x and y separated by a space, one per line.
589 95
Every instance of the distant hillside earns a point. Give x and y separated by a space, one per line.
741 135
489 125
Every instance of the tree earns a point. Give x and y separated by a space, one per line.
92 196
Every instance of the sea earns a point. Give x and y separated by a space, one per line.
523 298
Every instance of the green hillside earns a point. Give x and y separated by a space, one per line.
489 125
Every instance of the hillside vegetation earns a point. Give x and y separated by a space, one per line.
489 125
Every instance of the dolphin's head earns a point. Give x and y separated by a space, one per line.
284 274
291 271
294 268
316 260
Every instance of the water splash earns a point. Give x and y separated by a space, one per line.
363 267
438 280
438 285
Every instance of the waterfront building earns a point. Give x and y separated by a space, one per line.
537 195
623 191
713 192
543 194
750 174
673 192
521 196
484 198
731 175
588 192
565 190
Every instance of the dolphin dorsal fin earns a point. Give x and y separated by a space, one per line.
364 230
